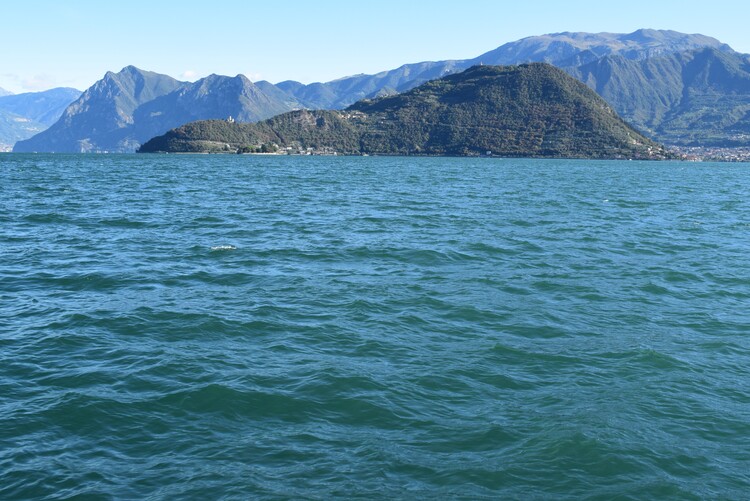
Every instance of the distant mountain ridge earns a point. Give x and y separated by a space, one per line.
573 49
559 49
532 110
44 107
101 116
127 108
25 115
645 75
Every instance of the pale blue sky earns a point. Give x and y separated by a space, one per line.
50 43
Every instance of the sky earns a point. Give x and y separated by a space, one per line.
73 43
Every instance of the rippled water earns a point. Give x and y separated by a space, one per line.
275 327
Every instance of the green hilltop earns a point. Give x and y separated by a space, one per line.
531 110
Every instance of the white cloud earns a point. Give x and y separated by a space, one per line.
23 83
189 75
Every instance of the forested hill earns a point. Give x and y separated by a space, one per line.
531 110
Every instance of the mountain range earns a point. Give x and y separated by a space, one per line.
677 88
125 109
24 115
564 50
530 110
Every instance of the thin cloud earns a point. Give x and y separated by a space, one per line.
253 77
189 75
20 84
10 82
39 82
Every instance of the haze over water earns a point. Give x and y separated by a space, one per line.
292 327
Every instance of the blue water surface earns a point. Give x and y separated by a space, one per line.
268 327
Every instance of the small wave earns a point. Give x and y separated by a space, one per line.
216 248
123 223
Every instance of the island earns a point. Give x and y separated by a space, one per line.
531 110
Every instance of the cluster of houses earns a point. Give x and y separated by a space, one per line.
713 154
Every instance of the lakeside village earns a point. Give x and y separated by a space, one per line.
685 153
274 149
712 153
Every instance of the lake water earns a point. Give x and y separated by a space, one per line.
294 327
